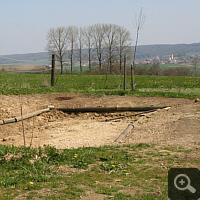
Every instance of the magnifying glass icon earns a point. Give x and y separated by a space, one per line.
185 182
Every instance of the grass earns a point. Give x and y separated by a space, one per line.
167 86
118 172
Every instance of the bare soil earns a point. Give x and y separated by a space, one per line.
180 125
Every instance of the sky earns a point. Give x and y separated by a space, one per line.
24 23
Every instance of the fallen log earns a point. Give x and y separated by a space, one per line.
124 133
130 126
108 109
32 114
17 119
6 121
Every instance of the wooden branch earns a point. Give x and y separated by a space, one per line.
17 119
130 126
32 114
124 133
6 121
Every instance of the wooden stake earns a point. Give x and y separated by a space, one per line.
132 81
124 72
53 71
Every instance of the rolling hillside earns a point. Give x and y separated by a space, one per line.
144 51
149 51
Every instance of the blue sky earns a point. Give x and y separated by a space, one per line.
24 23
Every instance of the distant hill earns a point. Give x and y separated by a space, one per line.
149 51
29 58
144 51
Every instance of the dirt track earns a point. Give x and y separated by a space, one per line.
180 125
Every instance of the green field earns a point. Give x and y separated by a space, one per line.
166 86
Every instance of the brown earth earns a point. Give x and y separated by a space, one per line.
23 67
179 125
17 68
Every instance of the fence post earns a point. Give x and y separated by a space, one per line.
53 71
132 83
124 72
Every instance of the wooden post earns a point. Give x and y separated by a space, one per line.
124 72
53 71
132 82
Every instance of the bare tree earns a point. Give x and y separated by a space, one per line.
57 43
139 24
98 36
124 42
195 61
111 38
72 37
88 32
80 43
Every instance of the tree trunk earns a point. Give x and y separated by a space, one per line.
89 58
120 62
110 60
80 61
100 62
61 65
71 63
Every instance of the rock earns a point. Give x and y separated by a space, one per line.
96 114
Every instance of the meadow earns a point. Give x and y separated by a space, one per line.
166 86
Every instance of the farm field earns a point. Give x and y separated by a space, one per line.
79 160
167 86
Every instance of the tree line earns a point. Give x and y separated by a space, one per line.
104 43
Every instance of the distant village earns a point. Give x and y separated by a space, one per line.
172 59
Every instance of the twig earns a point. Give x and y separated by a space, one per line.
32 131
21 104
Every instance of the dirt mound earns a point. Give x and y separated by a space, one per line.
63 98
